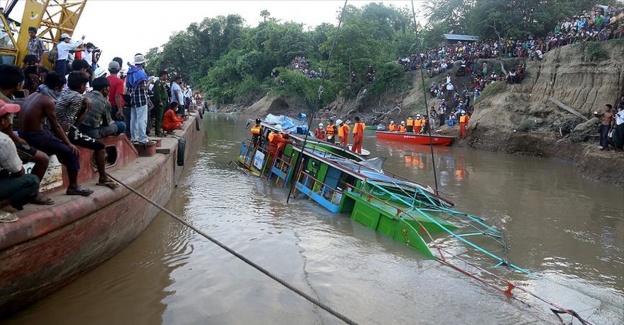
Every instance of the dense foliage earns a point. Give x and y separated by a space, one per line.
233 63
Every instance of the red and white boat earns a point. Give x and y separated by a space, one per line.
406 137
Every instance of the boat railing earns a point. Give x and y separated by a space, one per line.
282 165
444 256
331 194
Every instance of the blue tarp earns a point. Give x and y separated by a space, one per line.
288 124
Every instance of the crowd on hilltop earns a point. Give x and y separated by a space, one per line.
78 104
302 64
600 24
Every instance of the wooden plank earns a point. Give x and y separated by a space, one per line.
567 108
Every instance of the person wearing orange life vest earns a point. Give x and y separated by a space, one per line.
410 124
256 131
392 127
277 144
417 124
330 132
320 132
358 135
343 132
424 125
463 121
402 127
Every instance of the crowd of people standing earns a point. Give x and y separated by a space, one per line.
76 105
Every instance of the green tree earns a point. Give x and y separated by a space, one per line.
265 14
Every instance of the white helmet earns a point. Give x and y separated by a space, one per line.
320 125
402 122
417 115
391 122
338 121
99 72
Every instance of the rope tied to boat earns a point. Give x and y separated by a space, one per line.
266 272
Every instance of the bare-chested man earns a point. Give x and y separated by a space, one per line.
39 108
607 123
11 77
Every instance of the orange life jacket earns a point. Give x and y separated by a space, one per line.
464 119
392 127
401 128
418 122
256 129
331 130
410 122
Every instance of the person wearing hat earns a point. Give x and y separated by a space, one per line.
136 85
161 101
402 127
343 132
330 132
256 132
410 124
63 47
16 187
320 132
115 94
417 124
463 121
392 127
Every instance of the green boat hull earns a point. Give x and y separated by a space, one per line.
407 227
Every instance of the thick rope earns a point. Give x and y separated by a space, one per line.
241 257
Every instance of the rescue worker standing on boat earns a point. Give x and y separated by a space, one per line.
256 132
417 124
319 133
277 144
410 124
331 132
358 135
343 132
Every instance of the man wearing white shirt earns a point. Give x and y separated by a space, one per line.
177 95
619 129
63 48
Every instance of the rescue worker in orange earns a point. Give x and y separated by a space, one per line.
330 132
319 133
463 121
358 135
256 132
392 127
343 132
277 144
171 121
402 127
417 124
410 124
424 125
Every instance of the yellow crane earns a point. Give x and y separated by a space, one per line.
51 18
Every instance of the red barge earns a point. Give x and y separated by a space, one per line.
50 246
436 140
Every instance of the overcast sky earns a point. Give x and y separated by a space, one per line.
114 26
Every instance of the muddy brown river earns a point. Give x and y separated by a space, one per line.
568 230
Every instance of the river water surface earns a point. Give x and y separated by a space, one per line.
568 230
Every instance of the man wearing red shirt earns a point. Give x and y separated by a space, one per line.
115 96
